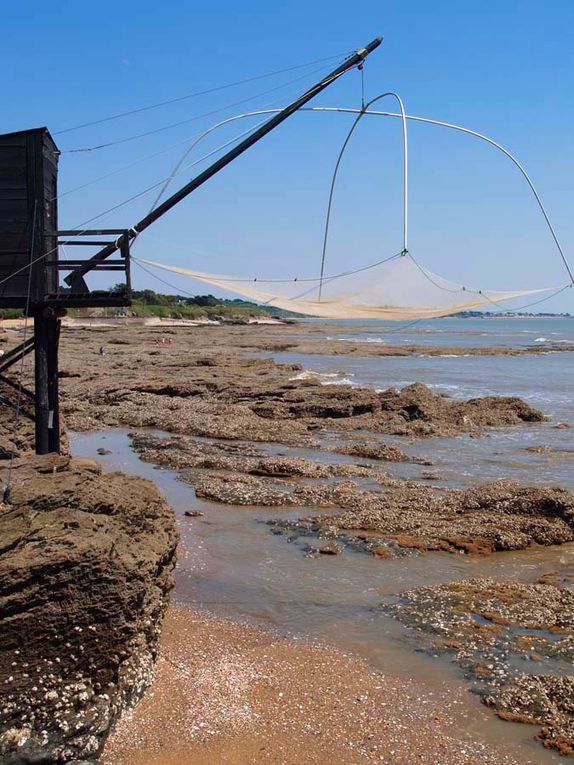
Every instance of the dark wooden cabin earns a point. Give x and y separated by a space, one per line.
30 272
28 216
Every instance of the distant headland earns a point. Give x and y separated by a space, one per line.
509 315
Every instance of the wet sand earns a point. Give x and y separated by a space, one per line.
230 694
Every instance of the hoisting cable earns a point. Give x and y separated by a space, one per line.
361 69
339 72
196 94
190 148
145 157
209 113
155 154
323 84
167 178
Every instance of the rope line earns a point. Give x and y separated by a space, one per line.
209 113
374 113
529 305
329 279
195 138
314 279
185 167
139 262
7 495
382 330
427 275
84 223
163 281
145 191
162 180
193 294
484 293
197 94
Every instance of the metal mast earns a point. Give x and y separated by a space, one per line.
355 60
29 262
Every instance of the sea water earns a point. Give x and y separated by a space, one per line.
544 380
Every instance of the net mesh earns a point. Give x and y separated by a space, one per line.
395 289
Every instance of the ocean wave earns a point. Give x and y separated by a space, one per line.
358 339
325 378
341 381
554 341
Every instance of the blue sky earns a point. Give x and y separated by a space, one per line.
503 68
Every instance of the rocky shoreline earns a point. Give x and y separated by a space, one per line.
86 569
490 518
514 640
237 424
223 409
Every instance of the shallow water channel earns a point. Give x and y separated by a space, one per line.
232 565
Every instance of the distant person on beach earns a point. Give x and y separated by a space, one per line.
102 350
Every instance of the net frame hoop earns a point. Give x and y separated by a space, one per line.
405 118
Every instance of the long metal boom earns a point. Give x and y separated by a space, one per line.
355 60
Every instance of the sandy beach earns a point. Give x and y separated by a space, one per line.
231 694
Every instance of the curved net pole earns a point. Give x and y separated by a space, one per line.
361 113
405 118
194 143
492 142
330 202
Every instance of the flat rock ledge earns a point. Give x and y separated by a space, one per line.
481 520
86 568
514 640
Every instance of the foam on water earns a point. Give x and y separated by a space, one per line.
325 378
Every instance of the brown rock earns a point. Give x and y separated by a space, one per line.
330 549
382 551
481 520
86 567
